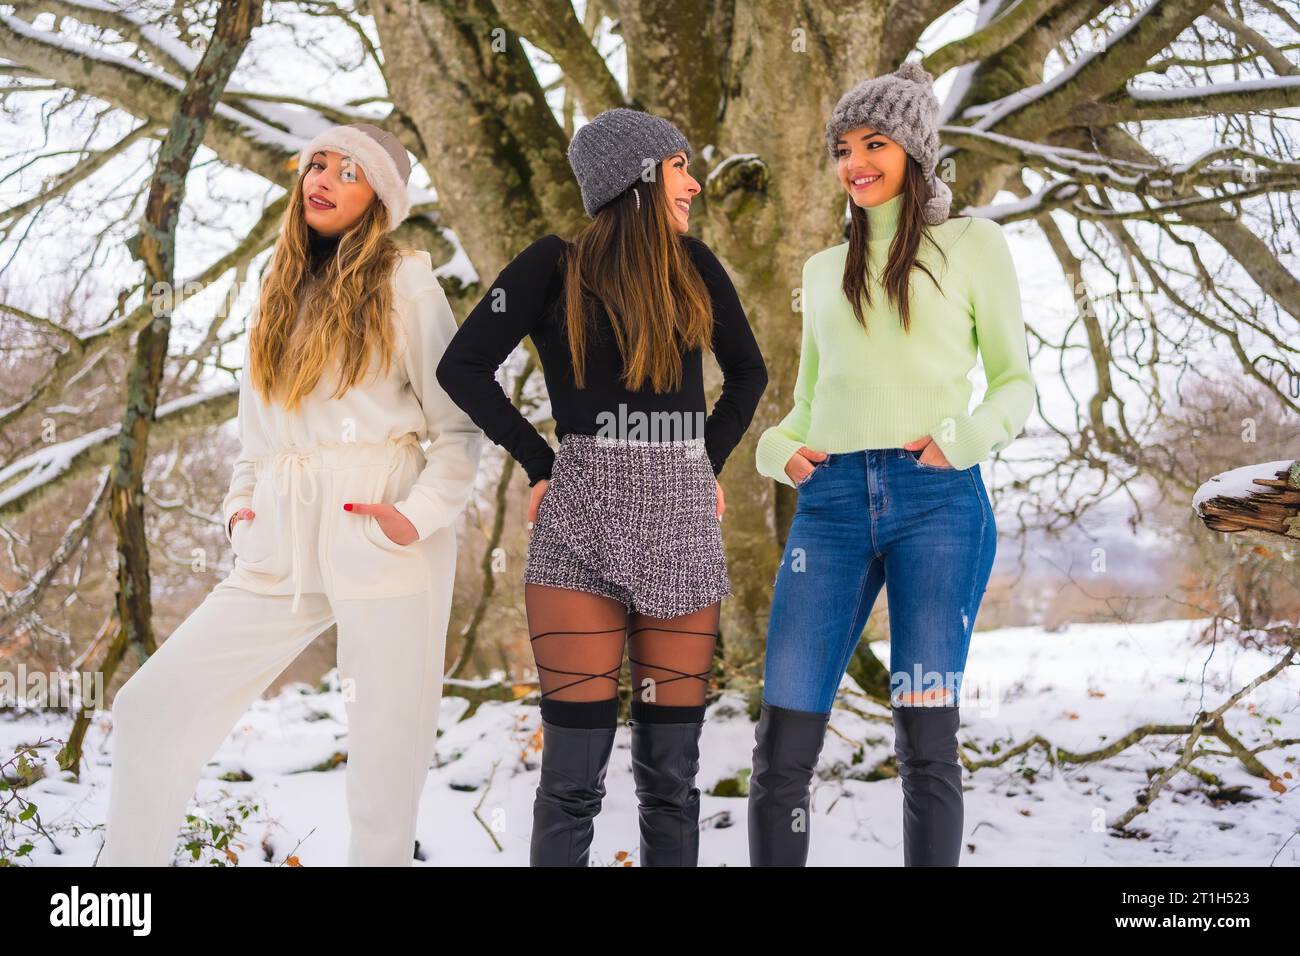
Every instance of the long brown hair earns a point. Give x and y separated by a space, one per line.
346 310
897 273
635 263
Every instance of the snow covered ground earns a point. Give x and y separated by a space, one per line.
1078 688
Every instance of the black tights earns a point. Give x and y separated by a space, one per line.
578 640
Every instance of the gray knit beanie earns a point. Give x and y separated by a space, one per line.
902 105
612 151
378 152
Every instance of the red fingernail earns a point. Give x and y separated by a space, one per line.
348 506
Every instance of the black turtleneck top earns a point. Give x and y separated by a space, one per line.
527 299
320 248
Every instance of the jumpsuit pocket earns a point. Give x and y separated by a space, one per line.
366 562
245 550
374 531
253 541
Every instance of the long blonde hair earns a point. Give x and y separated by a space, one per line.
346 311
634 262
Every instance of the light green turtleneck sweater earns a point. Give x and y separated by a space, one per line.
882 387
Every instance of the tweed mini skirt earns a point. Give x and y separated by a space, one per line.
634 521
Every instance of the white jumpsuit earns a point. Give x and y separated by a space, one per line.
302 563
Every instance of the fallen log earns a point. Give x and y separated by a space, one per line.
1258 501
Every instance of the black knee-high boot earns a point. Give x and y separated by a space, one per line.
787 745
665 760
925 741
572 787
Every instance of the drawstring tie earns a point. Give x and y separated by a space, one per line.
291 465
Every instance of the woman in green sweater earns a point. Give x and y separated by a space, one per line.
885 457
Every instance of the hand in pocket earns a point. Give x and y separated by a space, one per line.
535 501
803 463
243 514
928 444
396 527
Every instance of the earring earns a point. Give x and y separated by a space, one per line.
637 195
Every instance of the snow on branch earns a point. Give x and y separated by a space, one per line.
27 480
1209 168
1265 84
1259 501
1097 89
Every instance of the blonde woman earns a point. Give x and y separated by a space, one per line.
335 515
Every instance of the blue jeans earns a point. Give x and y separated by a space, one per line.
867 518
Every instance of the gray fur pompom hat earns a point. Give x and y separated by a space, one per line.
611 152
902 105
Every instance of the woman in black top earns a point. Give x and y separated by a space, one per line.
626 545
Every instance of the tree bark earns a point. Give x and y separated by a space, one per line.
155 247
